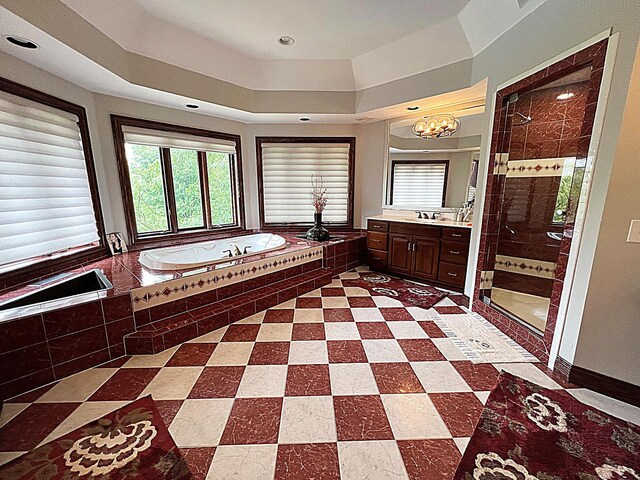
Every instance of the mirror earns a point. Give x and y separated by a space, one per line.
431 174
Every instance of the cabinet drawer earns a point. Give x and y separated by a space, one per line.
454 252
456 234
377 260
452 274
377 226
377 240
414 229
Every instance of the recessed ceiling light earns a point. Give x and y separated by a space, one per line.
192 105
21 42
565 96
286 40
304 119
412 108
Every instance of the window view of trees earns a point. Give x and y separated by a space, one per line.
145 172
220 189
186 187
148 188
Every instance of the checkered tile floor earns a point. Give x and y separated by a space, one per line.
334 384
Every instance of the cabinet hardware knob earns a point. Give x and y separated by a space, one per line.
452 274
376 258
414 248
408 246
455 253
456 234
376 241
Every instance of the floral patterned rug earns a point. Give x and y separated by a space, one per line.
132 442
527 432
409 293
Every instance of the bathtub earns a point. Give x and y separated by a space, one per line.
209 253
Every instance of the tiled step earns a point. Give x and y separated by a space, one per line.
160 335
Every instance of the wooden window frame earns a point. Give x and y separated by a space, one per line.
298 226
44 265
421 162
175 234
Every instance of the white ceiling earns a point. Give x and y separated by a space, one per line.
339 45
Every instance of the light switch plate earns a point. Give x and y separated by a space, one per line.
634 232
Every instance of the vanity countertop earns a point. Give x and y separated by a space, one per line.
421 221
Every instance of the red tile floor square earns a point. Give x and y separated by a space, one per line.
361 417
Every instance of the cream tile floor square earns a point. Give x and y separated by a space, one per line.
371 460
238 462
367 315
263 381
405 330
275 332
200 423
307 420
146 361
335 302
352 379
414 416
172 383
439 377
308 352
308 315
78 387
383 351
231 353
341 331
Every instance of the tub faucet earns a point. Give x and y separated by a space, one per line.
245 249
229 253
236 250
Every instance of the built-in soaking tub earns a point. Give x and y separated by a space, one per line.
211 252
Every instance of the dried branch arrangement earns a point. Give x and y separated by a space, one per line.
318 194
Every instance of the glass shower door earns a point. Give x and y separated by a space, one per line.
538 182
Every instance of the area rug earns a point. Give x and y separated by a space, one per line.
481 341
132 442
527 432
409 293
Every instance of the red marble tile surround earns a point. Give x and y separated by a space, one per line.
39 349
575 144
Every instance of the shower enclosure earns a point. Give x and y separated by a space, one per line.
540 153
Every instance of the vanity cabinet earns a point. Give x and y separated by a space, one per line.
424 252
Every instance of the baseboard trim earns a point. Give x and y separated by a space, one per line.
612 387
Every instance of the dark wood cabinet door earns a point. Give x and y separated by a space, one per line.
425 258
400 253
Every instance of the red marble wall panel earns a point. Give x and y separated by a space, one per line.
558 129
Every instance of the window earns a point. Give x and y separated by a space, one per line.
49 206
418 183
285 168
177 180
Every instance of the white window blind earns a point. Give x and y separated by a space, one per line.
418 185
45 199
157 138
287 169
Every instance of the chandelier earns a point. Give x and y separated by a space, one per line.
436 126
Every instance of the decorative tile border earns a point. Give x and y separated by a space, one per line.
540 167
500 164
525 266
172 290
486 279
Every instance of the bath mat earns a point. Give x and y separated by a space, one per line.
527 432
481 341
131 442
409 293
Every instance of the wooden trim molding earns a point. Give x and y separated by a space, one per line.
174 234
598 382
295 225
44 267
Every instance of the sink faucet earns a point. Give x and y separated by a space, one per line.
419 213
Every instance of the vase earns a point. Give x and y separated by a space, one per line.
317 233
